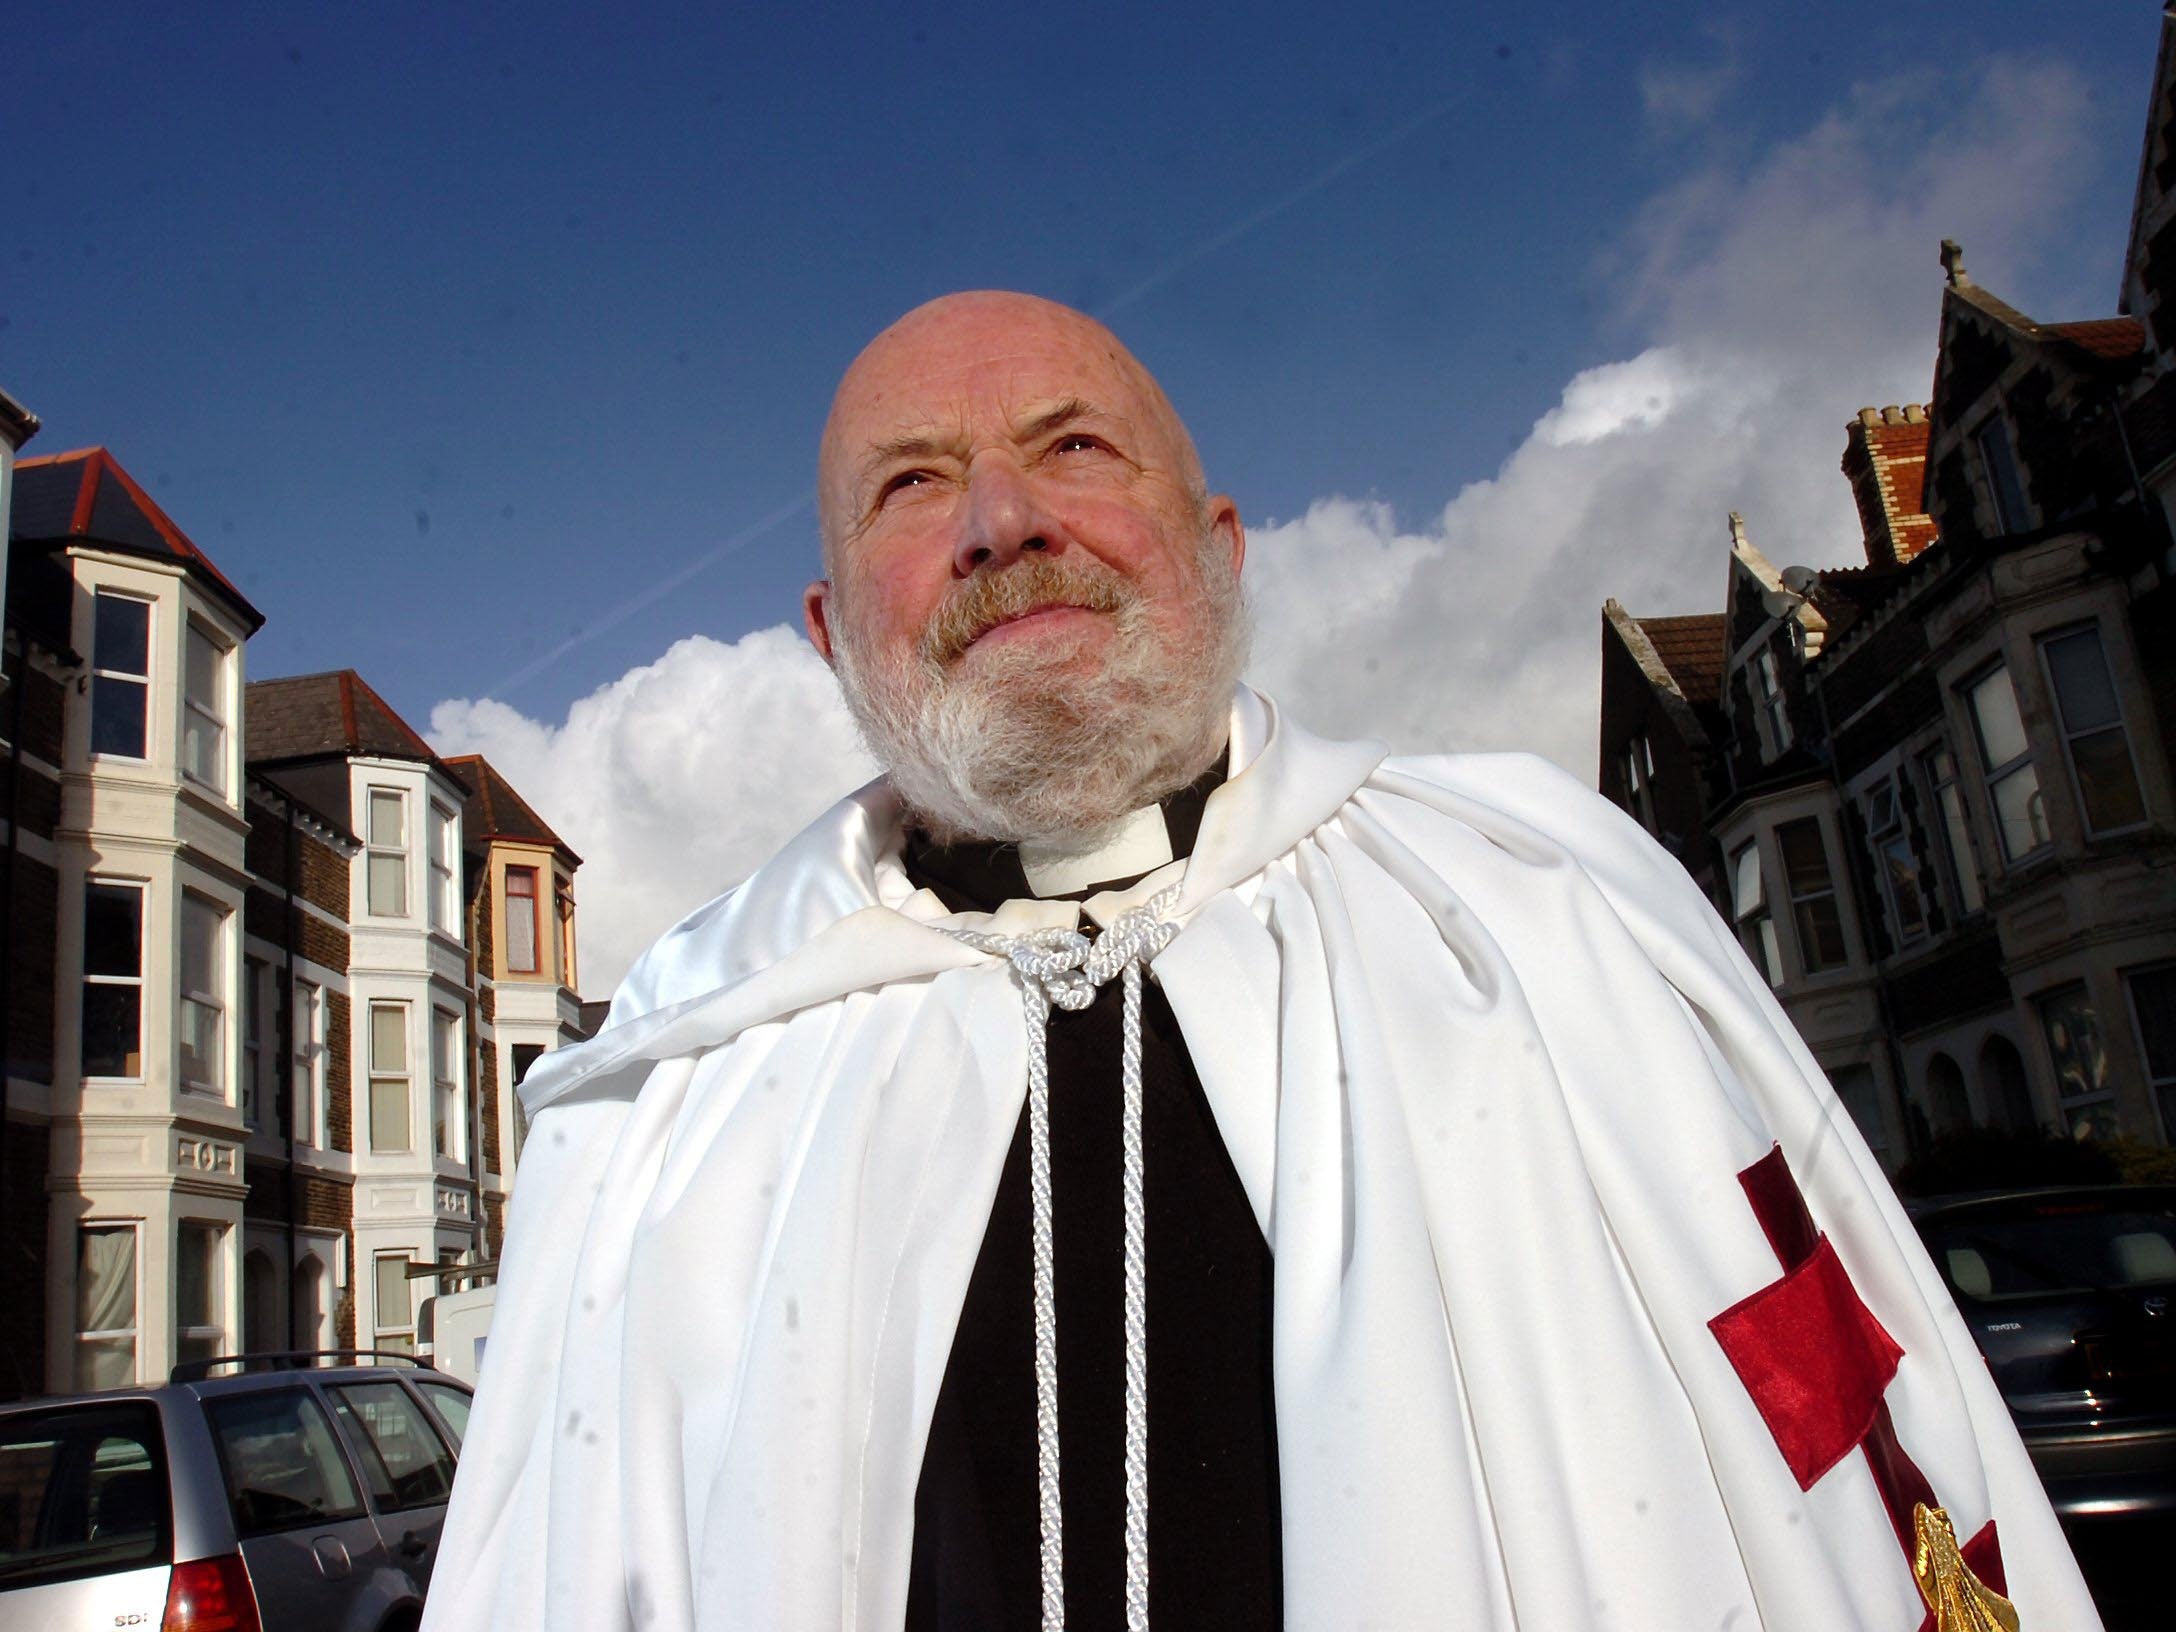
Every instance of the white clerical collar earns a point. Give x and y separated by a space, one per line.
1138 844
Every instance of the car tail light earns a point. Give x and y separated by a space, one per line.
211 1595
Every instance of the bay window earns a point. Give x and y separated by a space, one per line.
1749 913
521 921
120 675
1814 913
105 1305
386 843
446 1083
1896 864
204 709
2098 747
445 908
202 1012
2013 784
395 1330
113 978
391 1130
199 1329
1964 873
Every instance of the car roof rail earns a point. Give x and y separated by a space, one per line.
197 1371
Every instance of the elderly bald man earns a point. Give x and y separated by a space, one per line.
1139 1162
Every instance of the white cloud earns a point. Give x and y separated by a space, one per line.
1762 306
673 781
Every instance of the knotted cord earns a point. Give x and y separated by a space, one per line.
1062 968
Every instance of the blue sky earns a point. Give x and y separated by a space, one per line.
486 348
385 303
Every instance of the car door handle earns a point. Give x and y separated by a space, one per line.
412 1546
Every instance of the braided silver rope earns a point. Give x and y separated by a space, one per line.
1063 968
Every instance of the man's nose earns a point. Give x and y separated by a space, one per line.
1003 519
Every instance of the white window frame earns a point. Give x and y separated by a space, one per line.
2122 725
1885 796
99 671
376 849
308 1070
1938 768
448 1126
443 849
215 1289
216 999
134 1332
381 1073
398 1336
2019 764
213 712
535 898
143 903
1754 921
1827 891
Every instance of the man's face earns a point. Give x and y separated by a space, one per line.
985 431
1022 553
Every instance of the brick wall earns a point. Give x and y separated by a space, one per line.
321 872
339 1079
264 914
44 702
487 1090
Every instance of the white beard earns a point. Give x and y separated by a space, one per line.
1017 750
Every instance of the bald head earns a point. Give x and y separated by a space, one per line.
959 371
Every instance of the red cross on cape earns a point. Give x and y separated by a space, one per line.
1818 1366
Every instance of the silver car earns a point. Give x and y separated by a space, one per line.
293 1496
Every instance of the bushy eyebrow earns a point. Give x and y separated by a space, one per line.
923 444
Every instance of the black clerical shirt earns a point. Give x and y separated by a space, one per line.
1214 1553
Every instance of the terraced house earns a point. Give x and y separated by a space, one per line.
1934 793
257 1090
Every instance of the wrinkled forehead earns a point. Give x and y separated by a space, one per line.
973 365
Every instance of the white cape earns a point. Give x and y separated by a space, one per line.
1489 1067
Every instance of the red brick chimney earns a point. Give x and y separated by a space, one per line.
1885 457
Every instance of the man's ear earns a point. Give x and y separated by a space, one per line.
816 616
1225 523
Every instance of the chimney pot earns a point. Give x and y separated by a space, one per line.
1869 416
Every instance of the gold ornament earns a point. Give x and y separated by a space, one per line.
1961 1601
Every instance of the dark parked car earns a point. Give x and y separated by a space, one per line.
303 1493
2071 1295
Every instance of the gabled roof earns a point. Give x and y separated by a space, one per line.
85 497
1691 648
310 716
2110 339
494 810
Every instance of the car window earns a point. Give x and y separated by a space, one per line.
83 1491
451 1404
403 1458
2059 1247
282 1464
